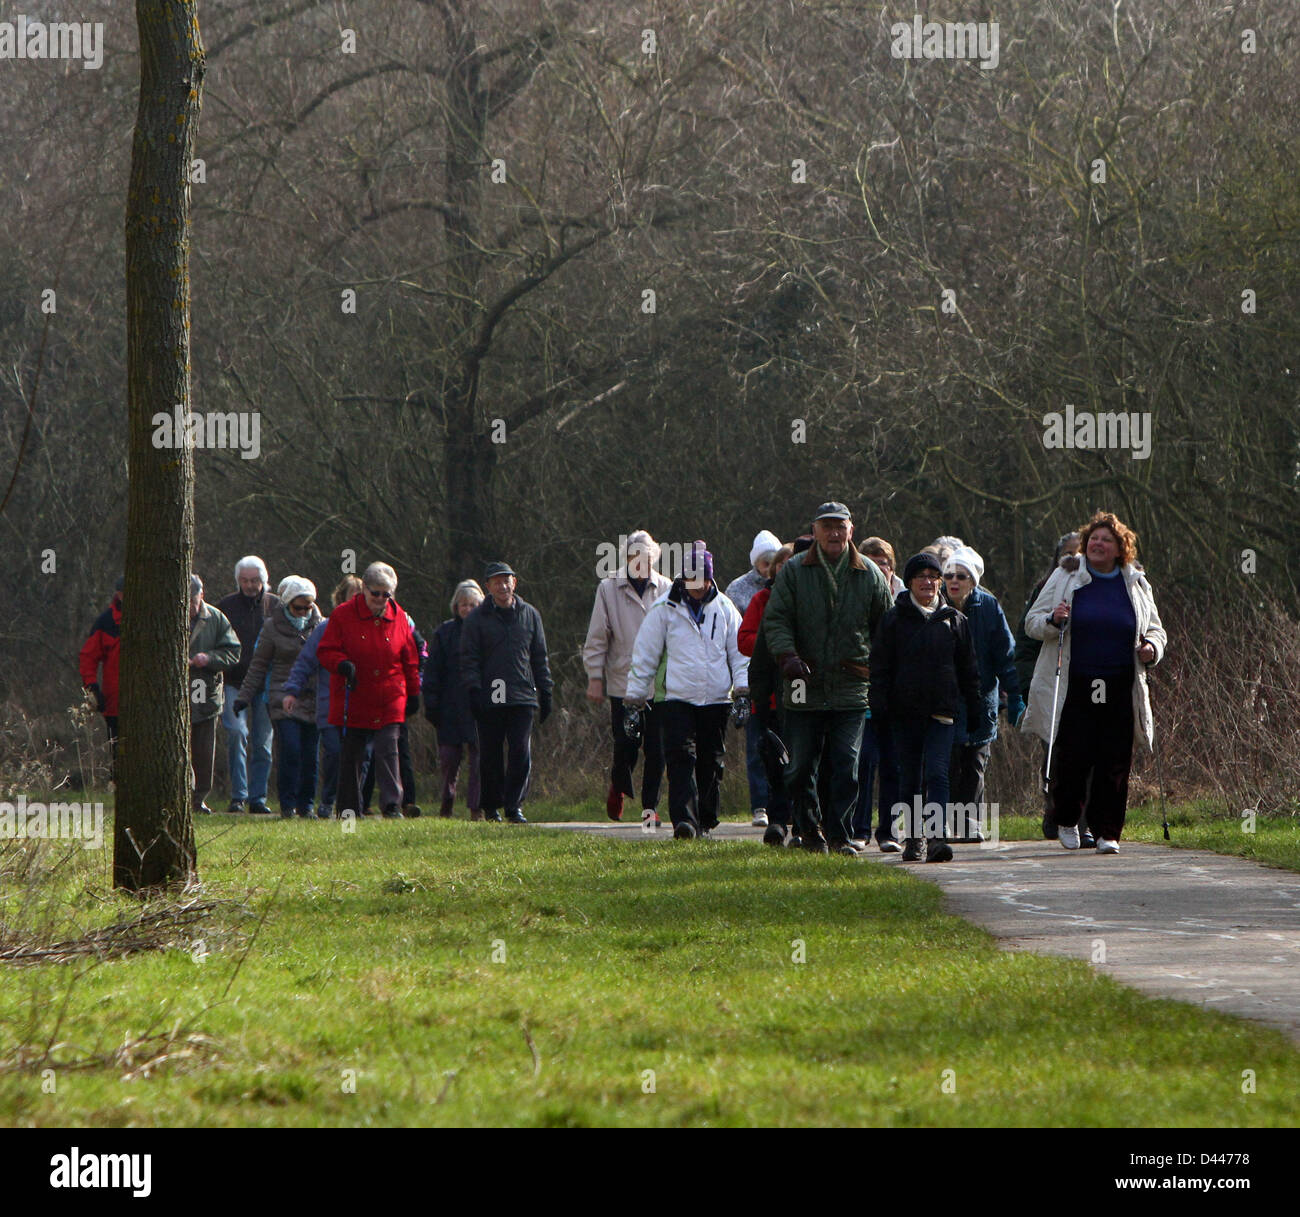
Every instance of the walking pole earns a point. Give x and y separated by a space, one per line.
1056 690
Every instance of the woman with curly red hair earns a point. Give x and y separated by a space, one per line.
1103 612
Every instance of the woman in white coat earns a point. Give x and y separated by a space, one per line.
1112 634
695 626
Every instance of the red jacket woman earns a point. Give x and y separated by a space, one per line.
387 663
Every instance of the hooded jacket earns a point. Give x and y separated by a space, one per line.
616 617
1042 715
704 660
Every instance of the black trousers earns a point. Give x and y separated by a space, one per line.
1094 742
505 758
626 750
694 745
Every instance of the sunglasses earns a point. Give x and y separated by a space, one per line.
379 593
959 578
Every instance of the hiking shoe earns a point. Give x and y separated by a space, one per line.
324 813
614 803
1049 828
685 831
912 850
1069 837
889 846
237 807
476 814
411 811
515 817
492 817
304 813
258 808
815 843
775 835
203 810
286 813
795 842
938 851
1106 846
1086 839
392 812
760 817
846 848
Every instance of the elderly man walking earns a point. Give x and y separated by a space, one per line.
214 650
622 602
504 668
824 608
251 731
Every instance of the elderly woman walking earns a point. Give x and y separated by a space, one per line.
279 644
369 648
446 703
1101 619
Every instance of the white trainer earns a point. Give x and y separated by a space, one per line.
1106 846
1069 837
760 817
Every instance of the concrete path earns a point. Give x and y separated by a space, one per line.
1220 932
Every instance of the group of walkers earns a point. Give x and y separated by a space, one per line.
859 690
864 694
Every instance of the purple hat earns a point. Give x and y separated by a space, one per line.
697 565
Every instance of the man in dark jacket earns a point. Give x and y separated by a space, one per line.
98 663
823 611
246 609
504 669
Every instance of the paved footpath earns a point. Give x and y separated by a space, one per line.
1217 931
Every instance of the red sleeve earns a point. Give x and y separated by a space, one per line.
92 655
329 651
747 638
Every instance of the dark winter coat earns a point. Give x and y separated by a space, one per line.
246 616
994 656
445 697
506 645
386 659
923 666
833 639
278 648
100 651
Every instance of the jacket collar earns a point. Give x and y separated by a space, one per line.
678 591
812 557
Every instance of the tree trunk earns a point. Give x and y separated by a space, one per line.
153 841
467 447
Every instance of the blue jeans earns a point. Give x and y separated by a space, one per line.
297 774
758 789
329 766
923 747
237 733
807 732
876 757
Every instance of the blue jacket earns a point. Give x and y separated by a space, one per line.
995 656
301 672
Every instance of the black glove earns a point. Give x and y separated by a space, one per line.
100 703
794 668
543 707
412 706
348 670
240 706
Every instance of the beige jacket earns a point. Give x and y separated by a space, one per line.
615 619
1061 585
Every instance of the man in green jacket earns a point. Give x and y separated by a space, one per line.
819 624
214 648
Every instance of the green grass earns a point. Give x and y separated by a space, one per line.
376 956
1274 841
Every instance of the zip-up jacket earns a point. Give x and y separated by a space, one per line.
616 617
923 666
246 616
100 651
506 645
279 646
704 659
213 635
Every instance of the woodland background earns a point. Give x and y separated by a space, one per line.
775 300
